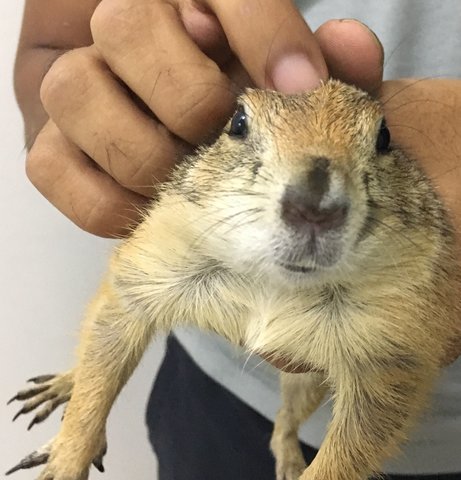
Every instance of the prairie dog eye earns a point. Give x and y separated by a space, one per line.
384 138
239 125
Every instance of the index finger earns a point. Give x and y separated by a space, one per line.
155 57
273 42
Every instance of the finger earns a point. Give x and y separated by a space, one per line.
94 111
205 30
353 53
273 42
72 183
237 73
154 55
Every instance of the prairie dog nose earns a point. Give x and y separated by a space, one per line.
316 202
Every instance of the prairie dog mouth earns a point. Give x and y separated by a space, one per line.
297 268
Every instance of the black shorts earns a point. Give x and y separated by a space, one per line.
200 431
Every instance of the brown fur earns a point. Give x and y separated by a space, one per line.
374 325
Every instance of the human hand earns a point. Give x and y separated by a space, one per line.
162 77
423 116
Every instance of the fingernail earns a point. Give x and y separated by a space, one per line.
373 34
294 74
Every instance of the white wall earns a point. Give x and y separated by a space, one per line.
48 271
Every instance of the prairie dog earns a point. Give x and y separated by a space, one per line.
300 233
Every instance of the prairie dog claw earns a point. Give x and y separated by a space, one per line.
50 390
41 379
97 462
28 393
39 457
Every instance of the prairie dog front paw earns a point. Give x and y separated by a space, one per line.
47 392
62 462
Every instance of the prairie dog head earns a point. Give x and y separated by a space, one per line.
306 186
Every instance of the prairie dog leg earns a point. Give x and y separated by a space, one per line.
112 343
371 416
301 395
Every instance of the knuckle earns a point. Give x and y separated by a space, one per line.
212 106
115 16
143 176
139 167
161 13
45 175
100 210
92 217
103 18
127 18
67 78
38 163
95 213
102 217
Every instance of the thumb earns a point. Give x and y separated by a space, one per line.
352 52
272 42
